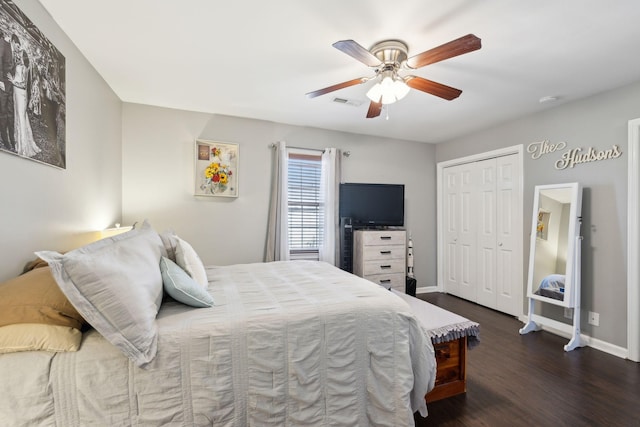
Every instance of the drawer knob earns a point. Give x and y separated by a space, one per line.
385 281
385 252
385 266
385 237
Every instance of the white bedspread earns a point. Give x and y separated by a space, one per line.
442 325
287 343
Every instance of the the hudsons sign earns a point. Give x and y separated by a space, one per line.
572 156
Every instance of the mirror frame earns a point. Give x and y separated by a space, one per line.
575 213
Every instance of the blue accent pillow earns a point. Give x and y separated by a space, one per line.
181 287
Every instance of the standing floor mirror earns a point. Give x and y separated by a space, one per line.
554 256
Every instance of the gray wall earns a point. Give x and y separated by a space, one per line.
138 161
48 208
158 163
599 122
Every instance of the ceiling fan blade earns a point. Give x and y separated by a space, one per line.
464 44
374 109
433 88
358 52
336 87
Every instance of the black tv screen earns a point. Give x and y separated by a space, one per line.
374 205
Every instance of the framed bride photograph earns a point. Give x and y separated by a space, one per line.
32 91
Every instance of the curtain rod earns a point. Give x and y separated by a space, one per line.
344 153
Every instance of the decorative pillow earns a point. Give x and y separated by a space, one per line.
116 285
189 261
36 263
35 297
38 336
170 242
181 287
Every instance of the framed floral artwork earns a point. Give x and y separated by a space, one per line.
216 168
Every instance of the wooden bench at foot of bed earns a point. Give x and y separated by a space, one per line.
451 377
451 335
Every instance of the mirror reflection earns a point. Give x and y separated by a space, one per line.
554 262
552 242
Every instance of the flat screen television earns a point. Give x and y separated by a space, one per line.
372 205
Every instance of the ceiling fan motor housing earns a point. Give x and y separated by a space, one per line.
390 52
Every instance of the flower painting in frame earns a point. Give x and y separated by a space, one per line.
216 168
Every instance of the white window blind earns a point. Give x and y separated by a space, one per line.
305 210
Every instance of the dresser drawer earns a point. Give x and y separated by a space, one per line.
384 267
384 237
372 253
390 281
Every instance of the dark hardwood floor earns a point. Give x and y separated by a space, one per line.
529 380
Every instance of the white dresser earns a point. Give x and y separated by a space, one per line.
380 256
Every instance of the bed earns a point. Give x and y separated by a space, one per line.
285 343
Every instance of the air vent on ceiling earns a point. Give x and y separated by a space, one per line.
351 102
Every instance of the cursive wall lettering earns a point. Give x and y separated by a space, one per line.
537 149
575 156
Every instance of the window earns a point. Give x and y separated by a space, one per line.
305 212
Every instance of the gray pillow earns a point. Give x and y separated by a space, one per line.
116 285
181 287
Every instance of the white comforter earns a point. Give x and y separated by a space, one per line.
287 343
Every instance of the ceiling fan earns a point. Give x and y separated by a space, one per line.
388 57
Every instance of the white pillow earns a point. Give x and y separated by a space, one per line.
189 261
116 285
181 287
170 241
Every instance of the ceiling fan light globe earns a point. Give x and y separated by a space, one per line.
400 89
388 98
375 92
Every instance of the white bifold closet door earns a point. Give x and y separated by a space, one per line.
480 246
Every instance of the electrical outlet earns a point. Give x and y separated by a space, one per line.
594 318
568 313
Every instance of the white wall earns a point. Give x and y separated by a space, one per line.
600 122
43 207
158 180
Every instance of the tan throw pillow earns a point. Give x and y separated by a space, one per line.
38 336
35 297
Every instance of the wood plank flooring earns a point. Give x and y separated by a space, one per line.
529 380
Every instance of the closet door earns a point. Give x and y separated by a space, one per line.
459 231
486 248
482 254
509 254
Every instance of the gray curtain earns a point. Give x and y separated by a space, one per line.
329 191
277 247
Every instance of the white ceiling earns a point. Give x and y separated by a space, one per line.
257 59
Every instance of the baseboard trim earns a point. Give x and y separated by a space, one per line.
427 289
